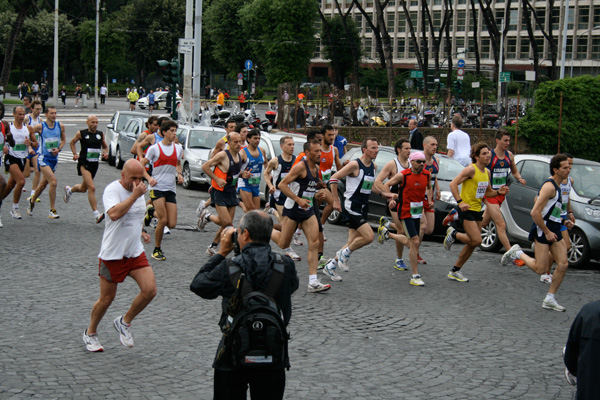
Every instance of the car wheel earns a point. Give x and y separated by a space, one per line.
187 177
335 217
111 157
578 254
118 160
489 238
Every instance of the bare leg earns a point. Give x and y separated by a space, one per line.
108 290
471 239
147 283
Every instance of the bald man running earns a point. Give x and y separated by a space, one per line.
93 145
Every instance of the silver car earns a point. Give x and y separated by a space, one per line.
585 202
127 137
197 141
116 125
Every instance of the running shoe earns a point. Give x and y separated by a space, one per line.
399 265
100 218
518 262
329 271
154 222
457 276
316 286
546 278
417 281
342 261
551 304
157 254
167 231
212 250
30 206
67 194
452 216
382 231
201 207
269 210
203 219
124 332
510 255
322 262
292 254
53 214
37 200
91 342
420 260
449 239
297 241
1 226
15 213
149 214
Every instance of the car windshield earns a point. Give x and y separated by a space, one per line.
298 146
123 120
585 180
202 139
449 168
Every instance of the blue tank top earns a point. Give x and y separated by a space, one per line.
49 139
499 170
255 165
157 138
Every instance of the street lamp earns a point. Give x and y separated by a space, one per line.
575 44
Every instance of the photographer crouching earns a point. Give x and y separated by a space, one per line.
256 286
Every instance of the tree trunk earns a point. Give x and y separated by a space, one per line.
338 78
448 45
386 49
475 39
532 42
353 49
376 34
12 41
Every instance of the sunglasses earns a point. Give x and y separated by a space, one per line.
419 161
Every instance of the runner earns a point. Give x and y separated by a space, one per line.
15 158
32 120
249 189
360 177
52 140
6 140
391 169
230 126
300 187
415 191
503 163
139 148
546 232
93 146
122 254
276 170
227 169
475 180
165 157
431 164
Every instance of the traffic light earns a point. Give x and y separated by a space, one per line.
246 74
170 70
251 75
457 86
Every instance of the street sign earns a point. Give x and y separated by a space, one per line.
416 74
460 72
185 49
248 64
443 75
460 78
530 76
504 76
461 63
475 84
186 42
240 76
240 82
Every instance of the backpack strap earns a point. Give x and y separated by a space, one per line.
277 274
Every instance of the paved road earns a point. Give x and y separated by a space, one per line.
373 336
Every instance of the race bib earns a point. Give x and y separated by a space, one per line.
499 177
555 214
481 189
367 184
254 180
326 175
51 144
308 196
20 147
93 155
416 209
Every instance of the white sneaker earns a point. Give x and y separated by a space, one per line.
342 261
91 342
211 251
448 240
293 255
457 276
330 272
546 278
154 222
297 241
67 194
53 214
167 231
316 286
203 219
15 213
30 206
510 255
417 281
124 332
201 207
551 304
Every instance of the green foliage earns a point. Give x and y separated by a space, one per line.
284 38
470 93
339 49
580 132
374 79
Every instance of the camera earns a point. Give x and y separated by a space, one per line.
236 245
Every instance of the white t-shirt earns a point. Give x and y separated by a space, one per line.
460 142
122 238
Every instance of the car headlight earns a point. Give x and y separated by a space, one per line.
199 162
592 212
447 197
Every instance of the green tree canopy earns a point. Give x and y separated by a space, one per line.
338 48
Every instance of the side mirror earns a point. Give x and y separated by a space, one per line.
110 126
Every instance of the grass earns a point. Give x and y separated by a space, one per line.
11 101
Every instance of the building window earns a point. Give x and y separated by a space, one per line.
358 23
414 3
485 48
461 18
317 53
367 25
584 17
369 3
414 18
400 48
571 18
555 20
596 15
317 25
525 47
540 45
460 44
582 48
411 49
569 46
541 16
511 48
595 48
513 20
437 2
437 19
401 25
391 22
368 47
499 18
462 1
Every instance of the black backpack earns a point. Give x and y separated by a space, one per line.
255 336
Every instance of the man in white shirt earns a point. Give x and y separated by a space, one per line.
459 142
122 253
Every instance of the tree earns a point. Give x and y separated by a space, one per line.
355 50
338 46
284 40
12 40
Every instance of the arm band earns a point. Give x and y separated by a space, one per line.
458 201
332 181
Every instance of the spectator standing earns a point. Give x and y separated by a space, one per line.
459 142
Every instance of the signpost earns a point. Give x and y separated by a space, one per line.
505 77
248 64
186 46
416 74
461 63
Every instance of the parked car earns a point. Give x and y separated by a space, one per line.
449 169
126 138
585 202
269 142
160 100
116 125
197 142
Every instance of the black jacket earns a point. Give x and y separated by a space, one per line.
255 260
582 354
416 141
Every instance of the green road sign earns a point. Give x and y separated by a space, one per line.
416 74
505 76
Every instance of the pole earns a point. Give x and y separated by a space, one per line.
187 59
55 71
97 52
560 120
517 130
197 77
564 41
481 117
498 104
